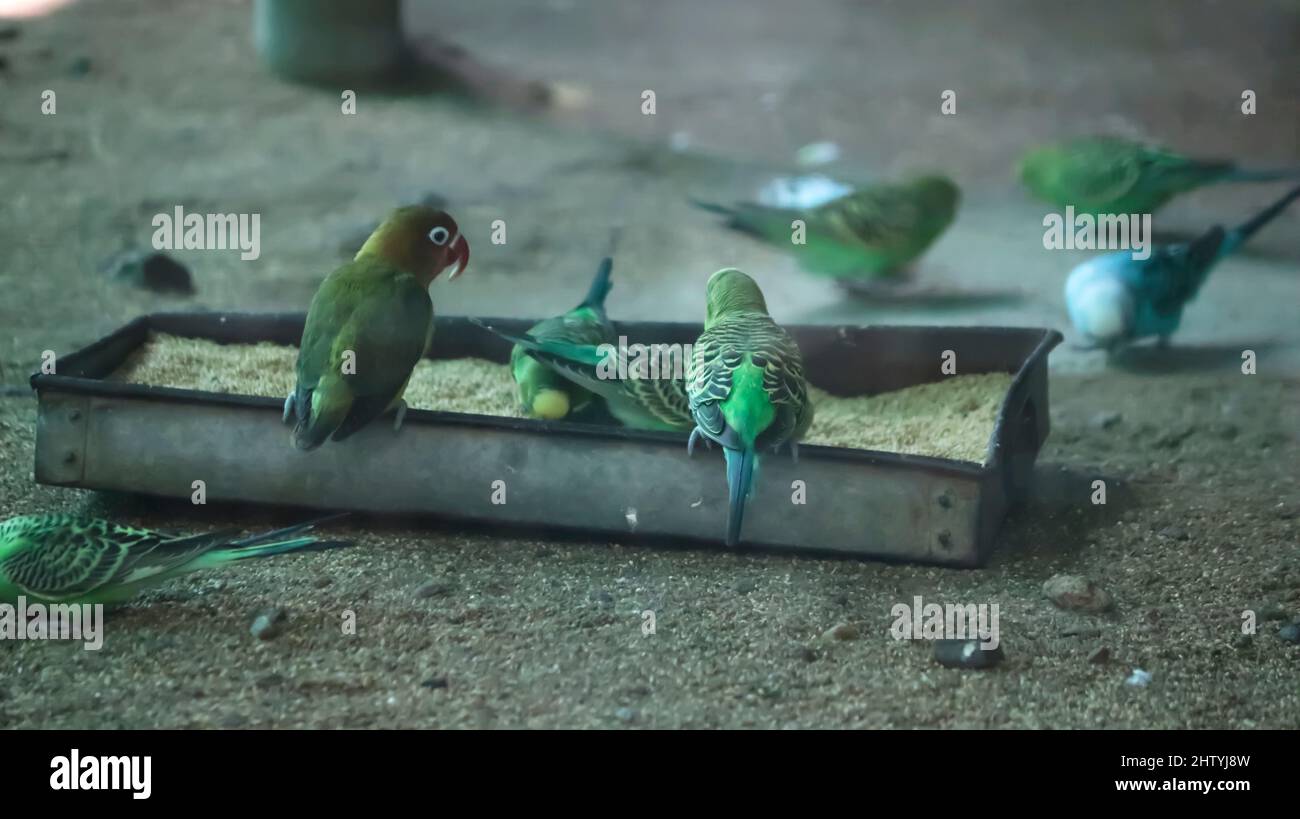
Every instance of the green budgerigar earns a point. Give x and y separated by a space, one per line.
1112 175
70 559
643 386
543 392
369 324
871 233
746 386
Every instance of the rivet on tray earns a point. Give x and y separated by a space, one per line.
945 539
945 500
69 457
75 415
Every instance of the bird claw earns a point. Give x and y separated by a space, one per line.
401 414
696 435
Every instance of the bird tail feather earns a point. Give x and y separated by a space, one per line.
320 418
600 285
276 542
1263 175
740 485
1238 235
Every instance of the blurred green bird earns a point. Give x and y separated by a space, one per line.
1112 175
746 386
67 559
544 392
643 386
870 233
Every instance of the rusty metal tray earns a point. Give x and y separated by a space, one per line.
560 476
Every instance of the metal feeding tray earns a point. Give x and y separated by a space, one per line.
602 480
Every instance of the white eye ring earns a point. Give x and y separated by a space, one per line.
439 235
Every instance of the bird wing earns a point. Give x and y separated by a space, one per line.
881 218
70 557
1102 171
720 350
1175 273
385 320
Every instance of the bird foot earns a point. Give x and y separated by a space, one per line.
400 415
696 435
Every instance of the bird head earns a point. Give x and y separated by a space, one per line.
1101 305
1039 167
730 289
420 240
939 193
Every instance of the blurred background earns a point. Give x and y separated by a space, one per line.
164 104
531 113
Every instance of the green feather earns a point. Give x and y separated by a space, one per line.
746 389
543 392
67 559
1111 175
872 232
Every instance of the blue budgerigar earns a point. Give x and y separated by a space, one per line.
1115 299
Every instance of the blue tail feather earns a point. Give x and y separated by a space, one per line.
600 285
740 485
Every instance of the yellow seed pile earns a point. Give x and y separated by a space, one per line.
952 418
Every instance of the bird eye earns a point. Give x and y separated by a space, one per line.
439 235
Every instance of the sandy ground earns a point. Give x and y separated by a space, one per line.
1201 521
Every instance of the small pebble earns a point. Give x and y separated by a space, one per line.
806 654
432 588
1243 642
268 623
1100 657
1139 678
434 683
842 631
1290 632
625 714
1106 419
1077 593
745 586
1081 630
1174 533
966 654
322 582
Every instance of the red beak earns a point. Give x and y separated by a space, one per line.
460 253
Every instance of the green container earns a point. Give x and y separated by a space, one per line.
344 42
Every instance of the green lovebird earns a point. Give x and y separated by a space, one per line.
543 392
1112 175
369 324
643 386
68 559
746 386
870 233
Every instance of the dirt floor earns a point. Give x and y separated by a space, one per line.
164 104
